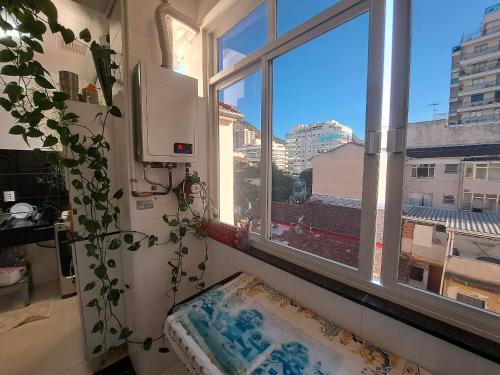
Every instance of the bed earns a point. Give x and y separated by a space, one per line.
243 326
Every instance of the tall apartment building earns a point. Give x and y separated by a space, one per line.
475 74
304 142
247 144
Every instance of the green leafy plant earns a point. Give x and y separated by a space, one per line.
41 113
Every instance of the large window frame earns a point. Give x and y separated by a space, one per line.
482 322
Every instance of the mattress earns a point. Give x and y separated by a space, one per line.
246 327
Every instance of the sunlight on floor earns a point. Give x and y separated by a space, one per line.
48 346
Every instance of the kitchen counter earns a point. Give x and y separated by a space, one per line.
22 232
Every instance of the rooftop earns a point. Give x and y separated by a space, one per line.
460 221
454 151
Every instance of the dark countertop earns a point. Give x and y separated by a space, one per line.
22 231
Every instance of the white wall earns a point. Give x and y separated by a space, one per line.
430 352
147 270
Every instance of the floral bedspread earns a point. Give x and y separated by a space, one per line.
247 327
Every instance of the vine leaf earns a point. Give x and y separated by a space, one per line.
134 247
152 240
147 343
85 35
50 141
163 350
128 238
97 349
67 35
89 286
115 111
115 244
111 263
7 55
43 82
98 327
118 194
17 129
6 104
7 41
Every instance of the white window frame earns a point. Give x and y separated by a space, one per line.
483 323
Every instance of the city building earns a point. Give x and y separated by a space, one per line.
475 74
453 167
452 253
247 142
303 142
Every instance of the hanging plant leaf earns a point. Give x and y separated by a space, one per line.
9 70
85 35
37 47
97 349
163 350
50 141
7 55
67 35
17 130
111 263
128 238
43 82
147 343
115 111
89 286
7 41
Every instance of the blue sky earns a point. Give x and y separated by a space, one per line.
326 78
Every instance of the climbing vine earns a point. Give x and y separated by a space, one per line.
41 112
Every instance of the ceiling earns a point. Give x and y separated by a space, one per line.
102 6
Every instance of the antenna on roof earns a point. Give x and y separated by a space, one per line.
434 110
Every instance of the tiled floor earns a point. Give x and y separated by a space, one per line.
49 346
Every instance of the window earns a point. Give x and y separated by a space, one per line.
417 273
448 199
451 168
420 199
476 98
481 47
494 172
455 193
320 106
490 204
467 202
423 170
313 209
481 171
469 170
473 301
244 38
291 13
240 151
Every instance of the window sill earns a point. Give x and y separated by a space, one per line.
454 335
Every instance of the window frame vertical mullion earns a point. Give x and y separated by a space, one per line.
271 20
373 123
266 148
396 157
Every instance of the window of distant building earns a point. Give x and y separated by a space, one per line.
423 170
481 47
494 172
491 204
469 170
473 301
477 98
448 199
451 168
481 171
475 114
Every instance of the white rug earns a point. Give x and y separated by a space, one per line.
16 318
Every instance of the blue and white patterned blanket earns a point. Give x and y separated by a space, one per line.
245 327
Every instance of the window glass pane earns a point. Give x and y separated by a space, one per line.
458 158
319 99
239 152
291 13
244 38
494 172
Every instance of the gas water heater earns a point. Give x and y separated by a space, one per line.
166 106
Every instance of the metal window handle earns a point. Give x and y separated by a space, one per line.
373 140
396 138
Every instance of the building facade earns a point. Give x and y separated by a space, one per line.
247 144
475 74
303 142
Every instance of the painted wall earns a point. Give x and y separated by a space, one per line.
436 133
339 172
147 270
452 287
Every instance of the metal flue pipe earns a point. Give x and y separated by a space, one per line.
164 16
